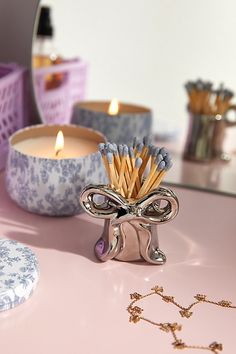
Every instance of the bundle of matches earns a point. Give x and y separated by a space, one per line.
203 99
135 170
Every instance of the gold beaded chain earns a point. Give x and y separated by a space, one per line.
136 315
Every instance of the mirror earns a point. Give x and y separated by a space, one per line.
17 19
140 52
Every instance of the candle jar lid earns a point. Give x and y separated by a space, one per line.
19 273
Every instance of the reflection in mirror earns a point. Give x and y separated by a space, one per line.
142 53
59 80
16 100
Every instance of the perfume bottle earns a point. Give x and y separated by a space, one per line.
44 52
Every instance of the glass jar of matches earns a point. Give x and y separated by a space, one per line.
132 203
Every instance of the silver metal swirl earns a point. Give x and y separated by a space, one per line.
142 216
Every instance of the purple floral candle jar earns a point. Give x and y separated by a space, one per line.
118 125
46 178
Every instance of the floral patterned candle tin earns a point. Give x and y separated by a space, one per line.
47 179
19 273
121 126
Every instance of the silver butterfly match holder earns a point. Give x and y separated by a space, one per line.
130 226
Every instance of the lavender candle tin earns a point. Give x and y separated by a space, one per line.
51 185
130 121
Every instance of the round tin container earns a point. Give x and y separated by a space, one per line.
51 186
130 121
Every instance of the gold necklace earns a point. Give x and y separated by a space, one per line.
136 315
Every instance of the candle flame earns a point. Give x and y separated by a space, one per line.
113 107
59 142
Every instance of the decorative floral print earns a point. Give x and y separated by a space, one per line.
119 129
51 187
19 273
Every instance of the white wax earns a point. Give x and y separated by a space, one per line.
45 147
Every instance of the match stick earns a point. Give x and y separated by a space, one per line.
146 143
132 163
122 181
158 160
138 150
117 161
116 157
125 167
163 151
145 156
129 164
138 162
154 153
145 159
101 147
149 180
160 170
131 156
129 168
135 142
203 99
167 166
113 178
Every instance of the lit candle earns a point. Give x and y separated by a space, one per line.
48 166
118 121
56 146
113 108
59 142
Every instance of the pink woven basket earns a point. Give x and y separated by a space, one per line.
13 114
55 105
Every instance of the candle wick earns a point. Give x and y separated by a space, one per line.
57 152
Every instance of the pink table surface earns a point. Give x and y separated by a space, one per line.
80 305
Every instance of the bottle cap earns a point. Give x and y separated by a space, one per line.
19 273
45 28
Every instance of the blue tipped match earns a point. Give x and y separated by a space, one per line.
146 140
155 151
110 157
139 147
115 149
135 142
150 148
125 150
161 166
101 146
169 164
163 151
159 158
138 162
120 149
106 148
167 158
131 152
110 147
